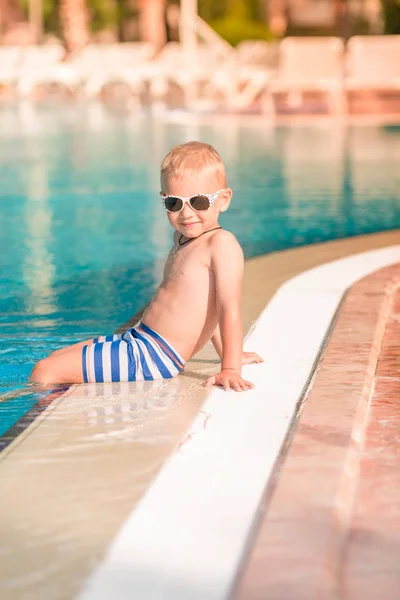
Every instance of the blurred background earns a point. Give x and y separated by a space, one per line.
265 56
78 22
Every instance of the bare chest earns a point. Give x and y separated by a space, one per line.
185 265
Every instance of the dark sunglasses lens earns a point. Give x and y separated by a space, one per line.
200 202
173 204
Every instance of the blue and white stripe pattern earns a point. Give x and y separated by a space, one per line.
138 354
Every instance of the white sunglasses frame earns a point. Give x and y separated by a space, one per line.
185 199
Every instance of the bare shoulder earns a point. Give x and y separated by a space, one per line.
225 241
226 254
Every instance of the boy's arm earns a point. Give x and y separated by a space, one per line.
217 342
227 263
247 357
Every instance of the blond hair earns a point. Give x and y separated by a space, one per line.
193 158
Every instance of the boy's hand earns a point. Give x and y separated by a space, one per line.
229 379
251 357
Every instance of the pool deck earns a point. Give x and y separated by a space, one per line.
330 527
91 456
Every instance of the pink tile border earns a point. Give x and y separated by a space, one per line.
314 520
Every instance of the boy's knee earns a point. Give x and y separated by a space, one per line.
41 372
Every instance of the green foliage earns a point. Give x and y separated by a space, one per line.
235 20
50 14
257 9
103 14
210 10
238 10
215 10
236 30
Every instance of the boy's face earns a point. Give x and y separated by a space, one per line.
193 223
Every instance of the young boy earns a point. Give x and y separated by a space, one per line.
199 298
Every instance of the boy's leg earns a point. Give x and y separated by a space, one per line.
112 337
68 348
60 367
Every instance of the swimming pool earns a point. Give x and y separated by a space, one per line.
84 234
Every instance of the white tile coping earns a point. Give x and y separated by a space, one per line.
186 538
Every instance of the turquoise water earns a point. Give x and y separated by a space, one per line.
83 233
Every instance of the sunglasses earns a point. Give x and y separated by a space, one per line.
198 202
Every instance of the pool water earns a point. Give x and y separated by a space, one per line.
83 234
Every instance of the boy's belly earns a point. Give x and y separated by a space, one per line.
186 326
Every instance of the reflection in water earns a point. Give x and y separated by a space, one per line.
323 148
135 404
313 174
161 232
88 251
374 159
38 269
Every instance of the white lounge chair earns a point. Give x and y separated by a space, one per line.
10 60
174 68
90 70
169 69
373 63
37 62
74 73
258 53
313 64
209 79
246 74
132 53
105 64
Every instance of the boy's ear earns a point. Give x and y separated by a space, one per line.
226 198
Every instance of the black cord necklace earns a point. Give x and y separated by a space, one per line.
192 239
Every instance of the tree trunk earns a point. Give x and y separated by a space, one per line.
152 22
10 14
74 21
277 16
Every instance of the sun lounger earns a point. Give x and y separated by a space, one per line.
257 53
235 82
248 74
113 63
10 59
307 65
373 63
168 69
91 69
36 63
190 74
74 73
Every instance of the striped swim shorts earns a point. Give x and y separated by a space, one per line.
138 354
